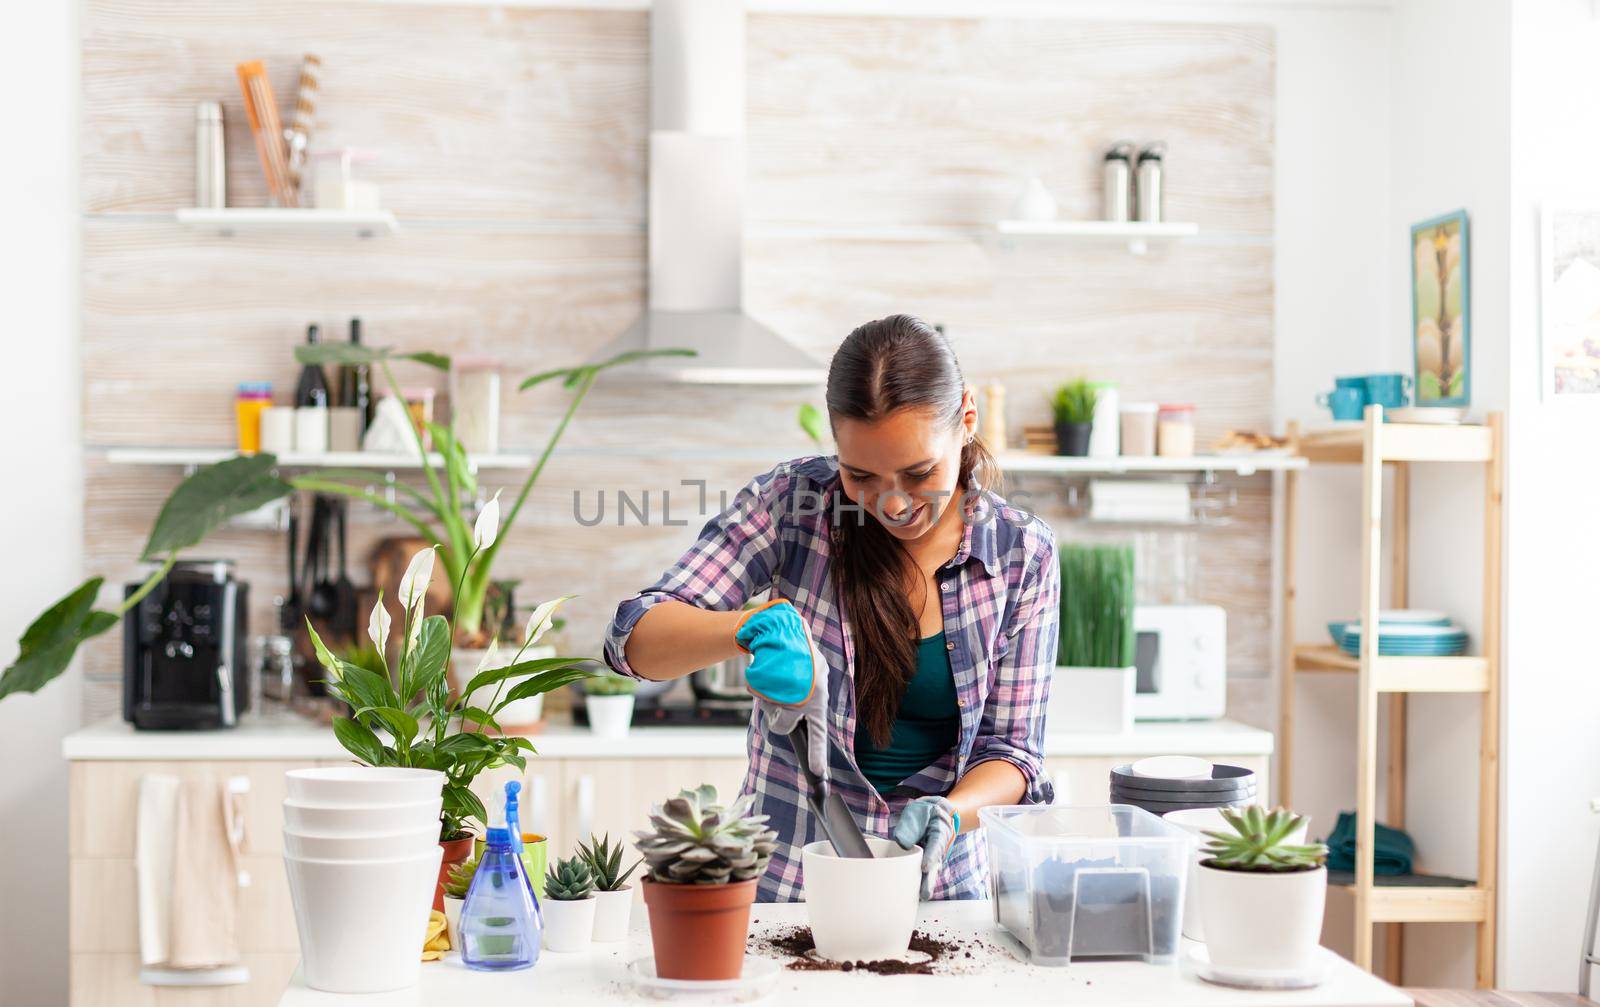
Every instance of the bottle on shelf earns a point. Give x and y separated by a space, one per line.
311 401
355 381
312 389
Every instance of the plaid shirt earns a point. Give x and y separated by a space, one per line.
1000 595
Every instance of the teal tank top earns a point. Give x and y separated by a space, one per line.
927 726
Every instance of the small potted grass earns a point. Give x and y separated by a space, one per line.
1073 407
608 700
1094 684
1261 890
568 906
613 895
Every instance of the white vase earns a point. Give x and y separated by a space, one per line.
1091 700
452 921
1260 919
568 926
609 716
861 909
522 714
613 913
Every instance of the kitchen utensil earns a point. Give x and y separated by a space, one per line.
1343 403
297 137
323 600
362 923
1149 181
344 616
832 814
261 108
1172 767
1388 390
381 846
836 888
347 820
290 611
362 786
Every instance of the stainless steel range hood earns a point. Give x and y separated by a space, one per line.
696 210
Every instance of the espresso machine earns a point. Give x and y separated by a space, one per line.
183 650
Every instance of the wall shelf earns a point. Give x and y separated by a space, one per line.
327 460
249 220
1242 464
1137 233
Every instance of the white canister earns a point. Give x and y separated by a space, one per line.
277 430
475 403
311 430
1105 435
344 428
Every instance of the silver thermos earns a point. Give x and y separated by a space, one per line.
1151 167
1118 182
210 160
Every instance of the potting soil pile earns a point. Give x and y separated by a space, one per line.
928 954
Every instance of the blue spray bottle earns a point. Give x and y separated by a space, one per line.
500 924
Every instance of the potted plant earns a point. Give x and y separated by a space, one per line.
608 700
613 908
1073 406
1094 684
703 860
1261 893
568 906
455 893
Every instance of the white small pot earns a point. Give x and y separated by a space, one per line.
1091 700
609 716
862 910
1262 920
452 921
568 926
1197 822
613 913
522 714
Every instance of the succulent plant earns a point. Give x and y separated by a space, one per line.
1257 843
460 878
605 861
569 880
695 840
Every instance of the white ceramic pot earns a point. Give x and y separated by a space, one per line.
568 926
613 913
1091 700
362 786
452 921
314 820
362 924
862 910
1261 920
609 716
1198 821
518 716
391 846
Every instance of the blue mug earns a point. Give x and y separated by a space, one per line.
1358 383
1388 390
1345 403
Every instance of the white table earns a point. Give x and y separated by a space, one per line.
600 976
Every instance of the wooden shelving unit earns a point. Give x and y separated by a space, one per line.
1380 447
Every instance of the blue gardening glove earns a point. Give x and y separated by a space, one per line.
932 823
788 676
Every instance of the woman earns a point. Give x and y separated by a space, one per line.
911 617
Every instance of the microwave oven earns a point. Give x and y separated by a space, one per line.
1180 662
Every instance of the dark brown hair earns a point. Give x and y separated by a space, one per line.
894 363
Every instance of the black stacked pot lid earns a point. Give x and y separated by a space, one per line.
1227 787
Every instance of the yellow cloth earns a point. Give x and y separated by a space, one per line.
436 943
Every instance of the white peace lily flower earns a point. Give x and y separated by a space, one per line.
487 661
487 527
414 585
539 622
378 625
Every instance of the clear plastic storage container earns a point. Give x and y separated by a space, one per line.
1087 882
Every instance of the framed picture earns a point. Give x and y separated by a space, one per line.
1441 311
1569 317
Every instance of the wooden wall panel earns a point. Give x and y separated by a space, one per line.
513 145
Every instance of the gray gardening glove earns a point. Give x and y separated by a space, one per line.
788 676
932 823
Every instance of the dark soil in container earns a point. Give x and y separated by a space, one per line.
1112 917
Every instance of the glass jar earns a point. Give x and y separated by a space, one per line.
273 674
1139 429
1175 431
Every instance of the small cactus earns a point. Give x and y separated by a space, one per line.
1257 843
569 880
605 860
460 878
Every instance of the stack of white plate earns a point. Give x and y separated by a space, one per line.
361 848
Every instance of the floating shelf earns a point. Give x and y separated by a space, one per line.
327 460
1138 234
1245 465
239 220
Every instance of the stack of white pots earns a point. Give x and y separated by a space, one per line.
361 848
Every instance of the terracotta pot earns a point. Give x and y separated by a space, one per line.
456 851
698 931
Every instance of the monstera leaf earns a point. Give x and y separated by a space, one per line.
47 646
211 496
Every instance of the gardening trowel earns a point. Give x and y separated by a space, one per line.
832 814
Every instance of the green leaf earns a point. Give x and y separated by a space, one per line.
402 725
48 644
523 668
435 360
425 662
324 655
368 689
211 496
349 353
540 683
812 422
477 715
358 741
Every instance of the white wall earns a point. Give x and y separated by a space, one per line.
1552 709
41 506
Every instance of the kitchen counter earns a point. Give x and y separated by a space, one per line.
993 975
293 738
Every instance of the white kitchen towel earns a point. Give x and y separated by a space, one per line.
155 842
